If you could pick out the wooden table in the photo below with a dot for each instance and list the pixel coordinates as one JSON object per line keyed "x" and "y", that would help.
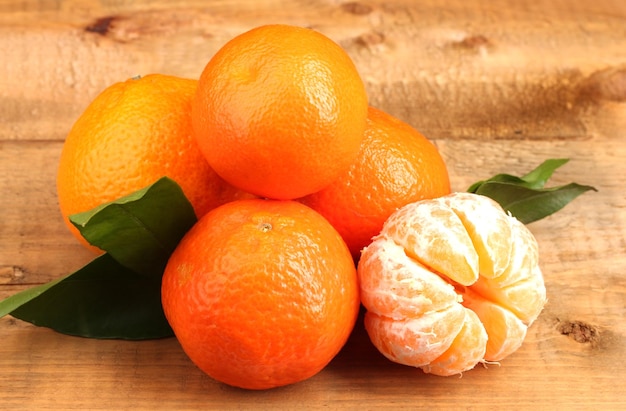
{"x": 499, "y": 86}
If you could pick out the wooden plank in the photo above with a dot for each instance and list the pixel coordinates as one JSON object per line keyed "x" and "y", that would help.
{"x": 499, "y": 86}
{"x": 35, "y": 245}
{"x": 64, "y": 372}
{"x": 496, "y": 69}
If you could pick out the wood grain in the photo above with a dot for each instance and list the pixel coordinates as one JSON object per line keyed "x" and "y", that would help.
{"x": 499, "y": 69}
{"x": 499, "y": 86}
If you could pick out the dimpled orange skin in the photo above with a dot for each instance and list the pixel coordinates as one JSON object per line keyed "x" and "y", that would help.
{"x": 280, "y": 111}
{"x": 396, "y": 165}
{"x": 130, "y": 135}
{"x": 449, "y": 283}
{"x": 261, "y": 293}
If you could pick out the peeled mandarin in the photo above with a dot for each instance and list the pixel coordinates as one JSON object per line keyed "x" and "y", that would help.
{"x": 449, "y": 283}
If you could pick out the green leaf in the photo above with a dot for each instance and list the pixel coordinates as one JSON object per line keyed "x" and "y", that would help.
{"x": 535, "y": 179}
{"x": 117, "y": 295}
{"x": 540, "y": 175}
{"x": 142, "y": 229}
{"x": 13, "y": 302}
{"x": 500, "y": 178}
{"x": 101, "y": 300}
{"x": 525, "y": 197}
{"x": 529, "y": 205}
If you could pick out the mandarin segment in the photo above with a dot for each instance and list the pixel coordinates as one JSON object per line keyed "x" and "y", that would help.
{"x": 524, "y": 255}
{"x": 415, "y": 340}
{"x": 397, "y": 286}
{"x": 498, "y": 306}
{"x": 525, "y": 298}
{"x": 506, "y": 331}
{"x": 488, "y": 227}
{"x": 467, "y": 349}
{"x": 521, "y": 287}
{"x": 432, "y": 233}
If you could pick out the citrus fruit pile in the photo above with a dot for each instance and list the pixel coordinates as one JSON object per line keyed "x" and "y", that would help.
{"x": 296, "y": 181}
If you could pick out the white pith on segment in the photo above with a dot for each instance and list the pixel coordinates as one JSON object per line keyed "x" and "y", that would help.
{"x": 416, "y": 341}
{"x": 407, "y": 289}
{"x": 502, "y": 341}
{"x": 462, "y": 250}
{"x": 412, "y": 228}
{"x": 462, "y": 354}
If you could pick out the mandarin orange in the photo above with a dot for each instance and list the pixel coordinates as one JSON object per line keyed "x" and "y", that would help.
{"x": 261, "y": 293}
{"x": 396, "y": 165}
{"x": 449, "y": 283}
{"x": 280, "y": 111}
{"x": 132, "y": 134}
